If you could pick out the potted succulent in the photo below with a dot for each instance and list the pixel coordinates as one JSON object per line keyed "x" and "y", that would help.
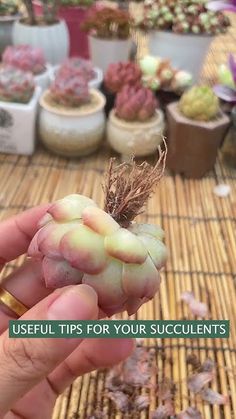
{"x": 46, "y": 31}
{"x": 82, "y": 67}
{"x": 71, "y": 120}
{"x": 109, "y": 36}
{"x": 9, "y": 12}
{"x": 135, "y": 125}
{"x": 28, "y": 58}
{"x": 74, "y": 13}
{"x": 118, "y": 75}
{"x": 18, "y": 102}
{"x": 182, "y": 31}
{"x": 226, "y": 88}
{"x": 166, "y": 81}
{"x": 196, "y": 128}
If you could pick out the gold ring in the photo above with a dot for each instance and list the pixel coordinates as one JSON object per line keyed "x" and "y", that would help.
{"x": 12, "y": 303}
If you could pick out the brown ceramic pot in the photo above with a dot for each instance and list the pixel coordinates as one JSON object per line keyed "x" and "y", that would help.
{"x": 193, "y": 145}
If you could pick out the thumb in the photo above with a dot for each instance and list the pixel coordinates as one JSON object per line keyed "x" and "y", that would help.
{"x": 25, "y": 362}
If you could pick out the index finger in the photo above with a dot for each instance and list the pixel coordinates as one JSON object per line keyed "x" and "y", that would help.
{"x": 17, "y": 232}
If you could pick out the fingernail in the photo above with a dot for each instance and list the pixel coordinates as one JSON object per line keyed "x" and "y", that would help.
{"x": 78, "y": 302}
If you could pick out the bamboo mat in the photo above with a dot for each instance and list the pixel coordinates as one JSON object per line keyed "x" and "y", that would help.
{"x": 200, "y": 234}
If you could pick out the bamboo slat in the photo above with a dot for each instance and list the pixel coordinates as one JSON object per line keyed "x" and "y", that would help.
{"x": 200, "y": 235}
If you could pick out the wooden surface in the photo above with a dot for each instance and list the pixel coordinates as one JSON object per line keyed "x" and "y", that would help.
{"x": 200, "y": 234}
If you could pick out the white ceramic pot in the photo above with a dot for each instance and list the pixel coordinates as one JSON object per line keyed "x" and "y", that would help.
{"x": 43, "y": 80}
{"x": 135, "y": 138}
{"x": 53, "y": 39}
{"x": 18, "y": 137}
{"x": 6, "y": 27}
{"x": 95, "y": 83}
{"x": 72, "y": 132}
{"x": 185, "y": 51}
{"x": 106, "y": 51}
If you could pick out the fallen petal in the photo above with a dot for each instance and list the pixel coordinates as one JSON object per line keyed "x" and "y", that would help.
{"x": 120, "y": 399}
{"x": 213, "y": 397}
{"x": 222, "y": 190}
{"x": 197, "y": 381}
{"x": 190, "y": 413}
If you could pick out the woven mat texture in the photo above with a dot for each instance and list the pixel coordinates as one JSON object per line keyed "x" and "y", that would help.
{"x": 200, "y": 234}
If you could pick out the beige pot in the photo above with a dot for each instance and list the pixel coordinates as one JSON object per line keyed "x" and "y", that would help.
{"x": 135, "y": 138}
{"x": 72, "y": 132}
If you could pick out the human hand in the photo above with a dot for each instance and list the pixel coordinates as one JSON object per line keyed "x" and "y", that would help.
{"x": 34, "y": 371}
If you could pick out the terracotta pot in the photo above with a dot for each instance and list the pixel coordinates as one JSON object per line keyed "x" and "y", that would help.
{"x": 193, "y": 145}
{"x": 135, "y": 138}
{"x": 53, "y": 39}
{"x": 185, "y": 51}
{"x": 74, "y": 16}
{"x": 72, "y": 132}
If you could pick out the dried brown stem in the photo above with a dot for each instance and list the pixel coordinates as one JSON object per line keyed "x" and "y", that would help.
{"x": 129, "y": 185}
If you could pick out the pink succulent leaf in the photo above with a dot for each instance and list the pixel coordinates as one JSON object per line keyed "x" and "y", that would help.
{"x": 225, "y": 93}
{"x": 58, "y": 273}
{"x": 219, "y": 5}
{"x": 232, "y": 66}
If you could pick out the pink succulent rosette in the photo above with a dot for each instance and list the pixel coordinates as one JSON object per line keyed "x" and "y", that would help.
{"x": 122, "y": 74}
{"x": 80, "y": 243}
{"x": 25, "y": 57}
{"x": 135, "y": 103}
{"x": 70, "y": 91}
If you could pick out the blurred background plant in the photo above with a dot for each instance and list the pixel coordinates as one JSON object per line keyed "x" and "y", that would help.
{"x": 226, "y": 89}
{"x": 8, "y": 7}
{"x": 188, "y": 16}
{"x": 108, "y": 23}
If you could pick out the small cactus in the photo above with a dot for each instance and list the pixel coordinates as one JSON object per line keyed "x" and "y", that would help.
{"x": 121, "y": 74}
{"x": 77, "y": 66}
{"x": 135, "y": 104}
{"x": 15, "y": 85}
{"x": 25, "y": 58}
{"x": 70, "y": 91}
{"x": 199, "y": 103}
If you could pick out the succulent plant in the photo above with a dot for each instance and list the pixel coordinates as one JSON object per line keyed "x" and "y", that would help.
{"x": 121, "y": 74}
{"x": 77, "y": 66}
{"x": 108, "y": 23}
{"x": 226, "y": 90}
{"x": 8, "y": 7}
{"x": 181, "y": 80}
{"x": 199, "y": 103}
{"x": 25, "y": 57}
{"x": 134, "y": 103}
{"x": 80, "y": 243}
{"x": 70, "y": 91}
{"x": 149, "y": 65}
{"x": 158, "y": 73}
{"x": 15, "y": 85}
{"x": 188, "y": 16}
